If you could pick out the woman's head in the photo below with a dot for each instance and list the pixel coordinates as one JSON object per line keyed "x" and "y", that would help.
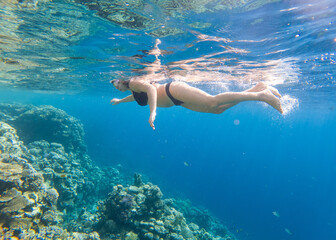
{"x": 120, "y": 85}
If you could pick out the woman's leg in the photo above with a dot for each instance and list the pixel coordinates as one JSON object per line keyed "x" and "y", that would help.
{"x": 260, "y": 86}
{"x": 192, "y": 98}
{"x": 200, "y": 101}
{"x": 233, "y": 98}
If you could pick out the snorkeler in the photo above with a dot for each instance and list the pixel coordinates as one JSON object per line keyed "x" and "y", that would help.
{"x": 147, "y": 92}
{"x": 181, "y": 94}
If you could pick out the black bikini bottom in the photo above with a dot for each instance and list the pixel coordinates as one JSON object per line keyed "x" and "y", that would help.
{"x": 174, "y": 100}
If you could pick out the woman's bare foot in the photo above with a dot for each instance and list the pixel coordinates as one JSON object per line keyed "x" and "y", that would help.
{"x": 274, "y": 91}
{"x": 260, "y": 86}
{"x": 268, "y": 97}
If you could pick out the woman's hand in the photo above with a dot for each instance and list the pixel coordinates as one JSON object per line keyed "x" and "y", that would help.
{"x": 152, "y": 119}
{"x": 115, "y": 101}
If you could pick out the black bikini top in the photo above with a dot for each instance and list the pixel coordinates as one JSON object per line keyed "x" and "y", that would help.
{"x": 141, "y": 98}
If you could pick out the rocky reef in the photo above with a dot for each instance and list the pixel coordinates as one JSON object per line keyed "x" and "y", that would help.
{"x": 200, "y": 216}
{"x": 28, "y": 206}
{"x": 54, "y": 145}
{"x": 47, "y": 123}
{"x": 51, "y": 189}
{"x": 139, "y": 212}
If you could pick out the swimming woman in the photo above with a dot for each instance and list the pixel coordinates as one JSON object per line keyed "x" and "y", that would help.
{"x": 147, "y": 92}
{"x": 181, "y": 94}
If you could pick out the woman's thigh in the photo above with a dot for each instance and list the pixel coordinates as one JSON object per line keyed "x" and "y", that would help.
{"x": 190, "y": 95}
{"x": 193, "y": 98}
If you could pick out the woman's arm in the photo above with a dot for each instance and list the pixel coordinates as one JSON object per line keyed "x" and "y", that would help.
{"x": 144, "y": 86}
{"x": 116, "y": 101}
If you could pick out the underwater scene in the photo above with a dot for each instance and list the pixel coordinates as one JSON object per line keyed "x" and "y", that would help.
{"x": 168, "y": 119}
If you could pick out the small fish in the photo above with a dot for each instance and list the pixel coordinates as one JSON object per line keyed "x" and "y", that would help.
{"x": 276, "y": 214}
{"x": 63, "y": 175}
{"x": 186, "y": 164}
{"x": 97, "y": 207}
{"x": 288, "y": 231}
{"x": 0, "y": 151}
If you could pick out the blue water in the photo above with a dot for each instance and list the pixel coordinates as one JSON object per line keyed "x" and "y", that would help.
{"x": 241, "y": 165}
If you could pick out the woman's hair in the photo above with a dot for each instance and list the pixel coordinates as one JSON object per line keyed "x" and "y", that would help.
{"x": 117, "y": 81}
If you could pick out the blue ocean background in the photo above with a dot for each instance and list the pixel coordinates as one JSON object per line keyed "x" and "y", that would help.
{"x": 244, "y": 164}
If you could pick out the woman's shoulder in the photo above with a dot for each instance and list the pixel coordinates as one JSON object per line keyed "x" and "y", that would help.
{"x": 137, "y": 82}
{"x": 141, "y": 81}
{"x": 140, "y": 78}
{"x": 143, "y": 86}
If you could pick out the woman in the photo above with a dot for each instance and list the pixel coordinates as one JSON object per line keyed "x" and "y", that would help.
{"x": 181, "y": 94}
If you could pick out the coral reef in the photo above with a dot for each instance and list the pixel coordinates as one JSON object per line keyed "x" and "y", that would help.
{"x": 53, "y": 190}
{"x": 200, "y": 216}
{"x": 24, "y": 200}
{"x": 34, "y": 123}
{"x": 62, "y": 159}
{"x": 77, "y": 180}
{"x": 139, "y": 212}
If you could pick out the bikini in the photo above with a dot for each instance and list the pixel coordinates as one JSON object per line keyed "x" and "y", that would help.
{"x": 142, "y": 98}
{"x": 174, "y": 100}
